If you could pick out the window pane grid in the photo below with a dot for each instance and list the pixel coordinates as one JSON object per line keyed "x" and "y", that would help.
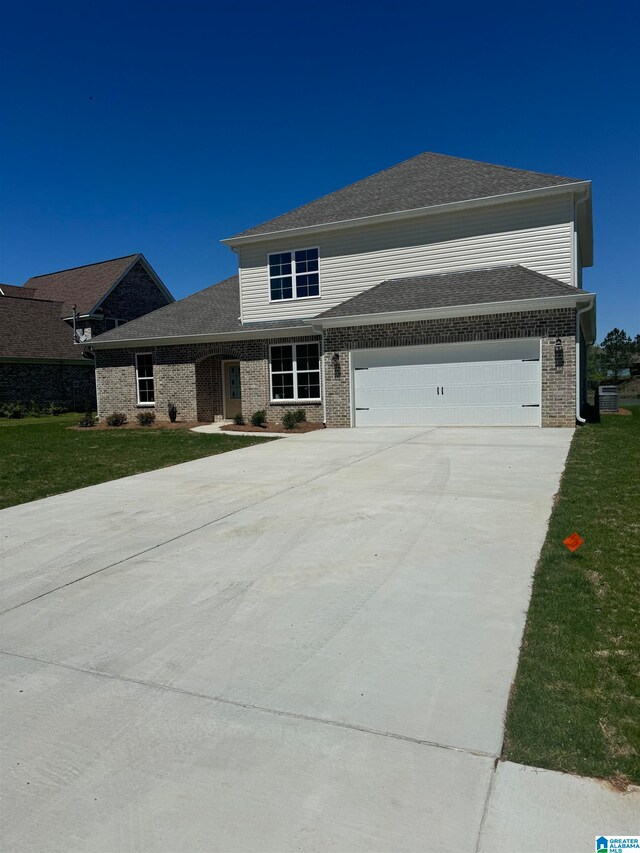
{"x": 295, "y": 372}
{"x": 301, "y": 267}
{"x": 144, "y": 378}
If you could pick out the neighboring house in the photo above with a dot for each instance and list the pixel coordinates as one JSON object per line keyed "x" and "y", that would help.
{"x": 39, "y": 360}
{"x": 439, "y": 291}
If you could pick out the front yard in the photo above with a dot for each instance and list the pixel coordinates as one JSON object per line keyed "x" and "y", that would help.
{"x": 41, "y": 456}
{"x": 575, "y": 704}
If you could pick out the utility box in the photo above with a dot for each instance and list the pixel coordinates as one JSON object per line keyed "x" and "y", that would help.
{"x": 608, "y": 395}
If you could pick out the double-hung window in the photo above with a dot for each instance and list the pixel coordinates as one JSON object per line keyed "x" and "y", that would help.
{"x": 295, "y": 372}
{"x": 144, "y": 379}
{"x": 294, "y": 275}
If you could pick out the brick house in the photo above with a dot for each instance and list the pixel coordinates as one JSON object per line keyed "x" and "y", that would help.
{"x": 46, "y": 326}
{"x": 439, "y": 291}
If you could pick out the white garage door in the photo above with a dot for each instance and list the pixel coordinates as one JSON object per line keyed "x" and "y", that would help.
{"x": 495, "y": 383}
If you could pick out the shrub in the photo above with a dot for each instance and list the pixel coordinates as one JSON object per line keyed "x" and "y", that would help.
{"x": 15, "y": 410}
{"x": 34, "y": 410}
{"x": 88, "y": 420}
{"x": 146, "y": 418}
{"x": 238, "y": 419}
{"x": 259, "y": 418}
{"x": 55, "y": 409}
{"x": 289, "y": 420}
{"x": 300, "y": 415}
{"x": 116, "y": 419}
{"x": 173, "y": 412}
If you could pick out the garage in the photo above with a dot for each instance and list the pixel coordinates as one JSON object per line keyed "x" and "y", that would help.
{"x": 494, "y": 383}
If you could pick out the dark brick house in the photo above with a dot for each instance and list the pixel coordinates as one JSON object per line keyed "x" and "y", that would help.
{"x": 441, "y": 291}
{"x": 39, "y": 360}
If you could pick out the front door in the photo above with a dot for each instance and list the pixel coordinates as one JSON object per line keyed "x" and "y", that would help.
{"x": 232, "y": 391}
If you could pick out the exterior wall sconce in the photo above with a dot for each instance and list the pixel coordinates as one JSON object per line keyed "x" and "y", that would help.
{"x": 558, "y": 346}
{"x": 335, "y": 360}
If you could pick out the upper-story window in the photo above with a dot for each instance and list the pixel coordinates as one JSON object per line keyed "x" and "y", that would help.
{"x": 294, "y": 275}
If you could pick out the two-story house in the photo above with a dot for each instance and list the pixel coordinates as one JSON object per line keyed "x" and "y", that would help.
{"x": 47, "y": 324}
{"x": 439, "y": 291}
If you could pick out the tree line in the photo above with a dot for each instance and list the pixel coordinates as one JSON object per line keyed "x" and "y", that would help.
{"x": 610, "y": 360}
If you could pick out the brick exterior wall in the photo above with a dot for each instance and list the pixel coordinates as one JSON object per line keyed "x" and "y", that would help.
{"x": 558, "y": 379}
{"x": 136, "y": 295}
{"x": 190, "y": 376}
{"x": 68, "y": 385}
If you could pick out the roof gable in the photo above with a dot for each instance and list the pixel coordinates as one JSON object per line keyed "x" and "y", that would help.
{"x": 426, "y": 180}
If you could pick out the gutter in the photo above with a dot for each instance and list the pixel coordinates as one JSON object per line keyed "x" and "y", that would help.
{"x": 470, "y": 309}
{"x": 205, "y": 338}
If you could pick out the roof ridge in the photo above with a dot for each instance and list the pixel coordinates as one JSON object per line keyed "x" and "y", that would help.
{"x": 80, "y": 267}
{"x": 500, "y": 166}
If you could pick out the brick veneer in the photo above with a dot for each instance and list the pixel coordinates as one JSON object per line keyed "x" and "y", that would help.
{"x": 190, "y": 376}
{"x": 68, "y": 385}
{"x": 558, "y": 375}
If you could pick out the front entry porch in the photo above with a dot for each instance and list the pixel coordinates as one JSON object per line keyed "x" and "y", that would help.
{"x": 218, "y": 388}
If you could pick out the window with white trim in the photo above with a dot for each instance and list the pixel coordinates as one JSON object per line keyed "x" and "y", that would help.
{"x": 294, "y": 275}
{"x": 295, "y": 372}
{"x": 144, "y": 379}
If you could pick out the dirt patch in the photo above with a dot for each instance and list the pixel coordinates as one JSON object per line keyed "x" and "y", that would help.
{"x": 136, "y": 425}
{"x": 272, "y": 427}
{"x": 619, "y": 412}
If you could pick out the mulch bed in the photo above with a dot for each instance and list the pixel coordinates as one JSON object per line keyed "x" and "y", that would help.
{"x": 136, "y": 425}
{"x": 619, "y": 412}
{"x": 272, "y": 426}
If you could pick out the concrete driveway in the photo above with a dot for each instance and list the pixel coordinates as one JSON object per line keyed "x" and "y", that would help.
{"x": 306, "y": 645}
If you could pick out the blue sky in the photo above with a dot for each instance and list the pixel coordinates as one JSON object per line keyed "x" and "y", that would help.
{"x": 162, "y": 127}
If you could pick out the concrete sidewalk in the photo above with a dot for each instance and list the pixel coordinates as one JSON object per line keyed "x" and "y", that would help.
{"x": 304, "y": 645}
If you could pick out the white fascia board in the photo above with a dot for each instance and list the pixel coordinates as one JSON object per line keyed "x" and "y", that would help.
{"x": 578, "y": 187}
{"x": 210, "y": 338}
{"x": 469, "y": 310}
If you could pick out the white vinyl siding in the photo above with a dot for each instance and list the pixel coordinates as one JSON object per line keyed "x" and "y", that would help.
{"x": 537, "y": 234}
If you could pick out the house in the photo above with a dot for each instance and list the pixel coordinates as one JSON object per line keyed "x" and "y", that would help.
{"x": 39, "y": 360}
{"x": 439, "y": 291}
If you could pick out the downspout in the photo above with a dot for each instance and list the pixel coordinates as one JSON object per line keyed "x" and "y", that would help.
{"x": 579, "y": 312}
{"x": 323, "y": 386}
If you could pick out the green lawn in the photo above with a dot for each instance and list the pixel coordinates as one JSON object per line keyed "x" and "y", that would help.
{"x": 575, "y": 705}
{"x": 41, "y": 457}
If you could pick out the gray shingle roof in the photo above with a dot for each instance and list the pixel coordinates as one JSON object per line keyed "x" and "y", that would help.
{"x": 423, "y": 181}
{"x": 214, "y": 310}
{"x": 467, "y": 287}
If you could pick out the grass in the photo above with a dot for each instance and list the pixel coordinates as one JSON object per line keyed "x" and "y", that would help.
{"x": 575, "y": 704}
{"x": 41, "y": 457}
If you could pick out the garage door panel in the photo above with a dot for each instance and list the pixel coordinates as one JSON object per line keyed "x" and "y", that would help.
{"x": 459, "y": 391}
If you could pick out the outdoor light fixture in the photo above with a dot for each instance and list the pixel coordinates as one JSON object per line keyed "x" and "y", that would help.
{"x": 336, "y": 358}
{"x": 558, "y": 346}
